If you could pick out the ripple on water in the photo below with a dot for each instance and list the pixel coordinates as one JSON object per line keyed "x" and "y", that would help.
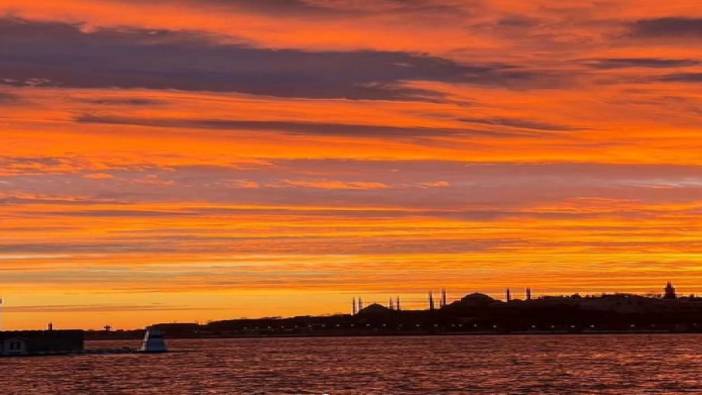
{"x": 452, "y": 364}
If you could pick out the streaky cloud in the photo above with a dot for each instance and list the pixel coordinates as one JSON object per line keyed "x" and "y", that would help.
{"x": 668, "y": 27}
{"x": 520, "y": 124}
{"x": 298, "y": 127}
{"x": 319, "y": 9}
{"x": 8, "y": 98}
{"x": 88, "y": 308}
{"x": 123, "y": 101}
{"x": 682, "y": 77}
{"x": 44, "y": 54}
{"x": 656, "y": 63}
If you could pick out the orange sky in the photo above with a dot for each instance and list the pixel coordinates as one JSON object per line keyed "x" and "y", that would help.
{"x": 183, "y": 160}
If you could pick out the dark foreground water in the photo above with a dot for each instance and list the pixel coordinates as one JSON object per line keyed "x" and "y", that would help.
{"x": 618, "y": 364}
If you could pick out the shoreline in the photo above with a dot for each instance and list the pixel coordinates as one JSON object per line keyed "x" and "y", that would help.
{"x": 417, "y": 334}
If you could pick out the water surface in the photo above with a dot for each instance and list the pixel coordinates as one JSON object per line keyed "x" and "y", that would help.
{"x": 609, "y": 364}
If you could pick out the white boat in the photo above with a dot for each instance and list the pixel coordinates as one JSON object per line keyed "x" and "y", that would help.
{"x": 153, "y": 341}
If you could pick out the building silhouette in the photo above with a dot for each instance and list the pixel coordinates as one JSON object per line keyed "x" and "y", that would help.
{"x": 49, "y": 342}
{"x": 669, "y": 291}
{"x": 475, "y": 313}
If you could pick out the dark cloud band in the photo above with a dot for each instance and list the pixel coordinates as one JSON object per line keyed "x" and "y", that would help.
{"x": 301, "y": 128}
{"x": 670, "y": 27}
{"x": 619, "y": 63}
{"x": 63, "y": 55}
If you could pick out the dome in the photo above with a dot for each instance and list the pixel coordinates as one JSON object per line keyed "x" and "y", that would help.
{"x": 374, "y": 308}
{"x": 477, "y": 298}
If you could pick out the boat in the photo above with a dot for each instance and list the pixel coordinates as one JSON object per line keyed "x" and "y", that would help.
{"x": 153, "y": 342}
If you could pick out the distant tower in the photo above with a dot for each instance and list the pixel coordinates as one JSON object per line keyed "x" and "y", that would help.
{"x": 360, "y": 305}
{"x": 443, "y": 297}
{"x": 391, "y": 305}
{"x": 51, "y": 326}
{"x": 508, "y": 295}
{"x": 669, "y": 291}
{"x": 528, "y": 294}
{"x": 397, "y": 303}
{"x": 431, "y": 301}
{"x": 355, "y": 310}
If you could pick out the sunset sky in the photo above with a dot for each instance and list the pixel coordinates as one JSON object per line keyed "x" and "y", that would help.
{"x": 193, "y": 160}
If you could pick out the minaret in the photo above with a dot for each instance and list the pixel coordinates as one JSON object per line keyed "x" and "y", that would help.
{"x": 391, "y": 304}
{"x": 443, "y": 297}
{"x": 360, "y": 305}
{"x": 354, "y": 306}
{"x": 397, "y": 303}
{"x": 508, "y": 295}
{"x": 528, "y": 294}
{"x": 431, "y": 301}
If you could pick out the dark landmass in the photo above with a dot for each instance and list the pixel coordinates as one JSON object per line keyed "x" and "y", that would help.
{"x": 474, "y": 314}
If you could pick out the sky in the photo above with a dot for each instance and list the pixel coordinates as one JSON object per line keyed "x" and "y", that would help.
{"x": 183, "y": 160}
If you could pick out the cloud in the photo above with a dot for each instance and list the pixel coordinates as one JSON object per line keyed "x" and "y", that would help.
{"x": 274, "y": 7}
{"x": 98, "y": 176}
{"x": 338, "y": 185}
{"x": 7, "y": 98}
{"x": 15, "y": 199}
{"x": 280, "y": 8}
{"x": 519, "y": 123}
{"x": 114, "y": 213}
{"x": 45, "y": 53}
{"x": 682, "y": 77}
{"x": 425, "y": 185}
{"x": 96, "y": 308}
{"x": 243, "y": 184}
{"x": 13, "y": 165}
{"x": 670, "y": 27}
{"x": 618, "y": 63}
{"x": 320, "y": 8}
{"x": 297, "y": 127}
{"x": 436, "y": 184}
{"x": 106, "y": 247}
{"x": 123, "y": 101}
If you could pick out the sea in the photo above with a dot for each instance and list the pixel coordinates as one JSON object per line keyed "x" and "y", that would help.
{"x": 530, "y": 364}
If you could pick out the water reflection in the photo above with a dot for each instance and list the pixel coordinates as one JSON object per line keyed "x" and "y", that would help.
{"x": 461, "y": 364}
